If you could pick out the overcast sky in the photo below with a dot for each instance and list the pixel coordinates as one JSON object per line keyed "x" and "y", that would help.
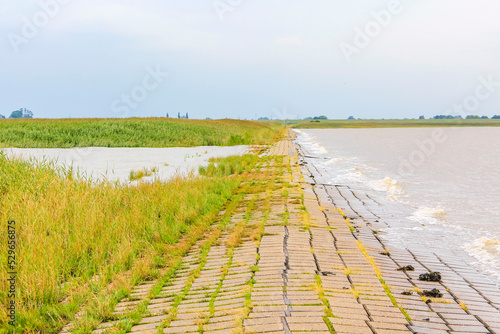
{"x": 247, "y": 59}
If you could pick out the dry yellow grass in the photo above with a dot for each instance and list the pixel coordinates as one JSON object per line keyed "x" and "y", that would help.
{"x": 75, "y": 236}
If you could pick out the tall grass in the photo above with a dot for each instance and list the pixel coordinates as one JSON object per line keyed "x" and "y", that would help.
{"x": 72, "y": 231}
{"x": 227, "y": 166}
{"x": 133, "y": 132}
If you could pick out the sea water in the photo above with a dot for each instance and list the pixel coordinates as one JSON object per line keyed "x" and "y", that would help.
{"x": 442, "y": 184}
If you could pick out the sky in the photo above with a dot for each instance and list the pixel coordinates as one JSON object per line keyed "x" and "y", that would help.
{"x": 247, "y": 59}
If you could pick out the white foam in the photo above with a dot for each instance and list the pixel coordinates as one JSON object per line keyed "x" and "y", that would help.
{"x": 485, "y": 249}
{"x": 428, "y": 216}
{"x": 390, "y": 186}
{"x": 334, "y": 161}
{"x": 309, "y": 143}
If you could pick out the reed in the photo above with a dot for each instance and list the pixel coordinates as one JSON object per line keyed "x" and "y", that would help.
{"x": 133, "y": 132}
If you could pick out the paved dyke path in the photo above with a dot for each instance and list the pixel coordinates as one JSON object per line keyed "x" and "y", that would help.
{"x": 289, "y": 261}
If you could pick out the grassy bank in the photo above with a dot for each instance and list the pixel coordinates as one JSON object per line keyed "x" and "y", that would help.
{"x": 83, "y": 244}
{"x": 135, "y": 132}
{"x": 396, "y": 123}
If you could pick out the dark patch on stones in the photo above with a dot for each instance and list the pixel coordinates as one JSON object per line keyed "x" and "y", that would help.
{"x": 326, "y": 273}
{"x": 407, "y": 293}
{"x": 433, "y": 276}
{"x": 406, "y": 268}
{"x": 385, "y": 253}
{"x": 434, "y": 293}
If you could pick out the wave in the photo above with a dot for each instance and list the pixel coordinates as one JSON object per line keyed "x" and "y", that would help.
{"x": 390, "y": 186}
{"x": 485, "y": 249}
{"x": 350, "y": 176}
{"x": 428, "y": 216}
{"x": 310, "y": 144}
{"x": 333, "y": 161}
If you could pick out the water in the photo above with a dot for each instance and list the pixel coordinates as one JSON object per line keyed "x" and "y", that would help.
{"x": 443, "y": 184}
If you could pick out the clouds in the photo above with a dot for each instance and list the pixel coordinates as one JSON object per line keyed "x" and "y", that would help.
{"x": 262, "y": 56}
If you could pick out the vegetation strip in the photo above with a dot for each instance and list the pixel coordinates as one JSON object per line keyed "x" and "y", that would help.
{"x": 388, "y": 123}
{"x": 133, "y": 132}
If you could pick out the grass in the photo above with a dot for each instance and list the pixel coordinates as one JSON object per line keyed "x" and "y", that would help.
{"x": 391, "y": 123}
{"x": 133, "y": 132}
{"x": 139, "y": 174}
{"x": 378, "y": 272}
{"x": 227, "y": 166}
{"x": 81, "y": 242}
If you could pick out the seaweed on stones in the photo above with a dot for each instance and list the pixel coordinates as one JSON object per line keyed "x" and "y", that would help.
{"x": 407, "y": 268}
{"x": 433, "y": 276}
{"x": 435, "y": 293}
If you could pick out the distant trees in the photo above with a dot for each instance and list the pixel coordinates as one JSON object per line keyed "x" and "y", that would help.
{"x": 351, "y": 117}
{"x": 496, "y": 117}
{"x": 317, "y": 117}
{"x": 186, "y": 116}
{"x": 16, "y": 114}
{"x": 460, "y": 117}
{"x": 20, "y": 113}
{"x": 2, "y": 117}
{"x": 421, "y": 117}
{"x": 447, "y": 117}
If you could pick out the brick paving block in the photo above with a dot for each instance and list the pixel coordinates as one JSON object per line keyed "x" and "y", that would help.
{"x": 220, "y": 325}
{"x": 470, "y": 329}
{"x": 393, "y": 320}
{"x": 265, "y": 328}
{"x": 424, "y": 330}
{"x": 387, "y": 325}
{"x": 297, "y": 319}
{"x": 307, "y": 327}
{"x": 430, "y": 325}
{"x": 339, "y": 329}
{"x": 391, "y": 331}
{"x": 146, "y": 327}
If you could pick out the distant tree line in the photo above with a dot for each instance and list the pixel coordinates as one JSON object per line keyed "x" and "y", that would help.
{"x": 20, "y": 113}
{"x": 449, "y": 117}
{"x": 317, "y": 117}
{"x": 466, "y": 117}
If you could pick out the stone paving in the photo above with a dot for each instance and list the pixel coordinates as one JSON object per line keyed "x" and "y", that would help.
{"x": 301, "y": 265}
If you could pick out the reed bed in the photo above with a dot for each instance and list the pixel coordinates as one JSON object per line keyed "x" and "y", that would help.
{"x": 133, "y": 132}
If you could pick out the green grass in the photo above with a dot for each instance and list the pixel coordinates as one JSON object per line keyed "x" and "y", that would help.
{"x": 391, "y": 123}
{"x": 70, "y": 231}
{"x": 139, "y": 174}
{"x": 227, "y": 166}
{"x": 133, "y": 132}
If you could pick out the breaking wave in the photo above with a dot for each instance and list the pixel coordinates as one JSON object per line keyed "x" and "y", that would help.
{"x": 428, "y": 216}
{"x": 485, "y": 249}
{"x": 390, "y": 186}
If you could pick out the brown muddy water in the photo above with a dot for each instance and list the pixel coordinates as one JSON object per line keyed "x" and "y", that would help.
{"x": 442, "y": 185}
